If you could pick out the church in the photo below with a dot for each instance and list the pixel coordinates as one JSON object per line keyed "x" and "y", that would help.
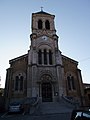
{"x": 43, "y": 72}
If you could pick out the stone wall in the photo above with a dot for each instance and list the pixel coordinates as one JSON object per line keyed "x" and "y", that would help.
{"x": 2, "y": 103}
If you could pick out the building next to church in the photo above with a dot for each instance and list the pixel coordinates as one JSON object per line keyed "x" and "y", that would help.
{"x": 43, "y": 71}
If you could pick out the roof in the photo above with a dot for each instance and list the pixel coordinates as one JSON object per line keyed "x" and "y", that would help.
{"x": 72, "y": 60}
{"x": 42, "y": 12}
{"x": 18, "y": 58}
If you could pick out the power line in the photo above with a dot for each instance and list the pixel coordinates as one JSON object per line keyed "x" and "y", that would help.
{"x": 85, "y": 59}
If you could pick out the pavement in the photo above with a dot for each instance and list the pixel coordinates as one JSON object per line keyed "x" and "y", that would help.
{"x": 45, "y": 111}
{"x": 61, "y": 116}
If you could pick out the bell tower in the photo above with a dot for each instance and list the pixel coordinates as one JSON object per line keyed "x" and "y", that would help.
{"x": 43, "y": 23}
{"x": 43, "y": 31}
{"x": 45, "y": 70}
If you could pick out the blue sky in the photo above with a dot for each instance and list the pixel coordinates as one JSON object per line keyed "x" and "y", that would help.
{"x": 72, "y": 22}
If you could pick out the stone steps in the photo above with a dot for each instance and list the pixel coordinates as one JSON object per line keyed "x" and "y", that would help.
{"x": 53, "y": 108}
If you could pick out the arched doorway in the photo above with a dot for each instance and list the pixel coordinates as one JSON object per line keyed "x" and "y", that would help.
{"x": 46, "y": 92}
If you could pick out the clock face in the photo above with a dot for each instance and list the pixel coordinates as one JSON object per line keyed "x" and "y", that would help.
{"x": 44, "y": 37}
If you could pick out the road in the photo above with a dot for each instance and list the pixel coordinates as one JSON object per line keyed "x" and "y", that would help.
{"x": 31, "y": 117}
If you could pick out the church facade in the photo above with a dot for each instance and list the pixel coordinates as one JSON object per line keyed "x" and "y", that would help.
{"x": 43, "y": 72}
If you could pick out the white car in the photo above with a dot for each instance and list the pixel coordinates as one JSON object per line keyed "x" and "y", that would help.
{"x": 15, "y": 107}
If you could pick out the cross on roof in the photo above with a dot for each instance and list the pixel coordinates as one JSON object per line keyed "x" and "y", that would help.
{"x": 41, "y": 8}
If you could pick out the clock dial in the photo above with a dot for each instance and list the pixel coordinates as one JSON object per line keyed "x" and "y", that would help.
{"x": 44, "y": 37}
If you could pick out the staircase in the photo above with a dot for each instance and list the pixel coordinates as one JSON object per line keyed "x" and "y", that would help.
{"x": 54, "y": 108}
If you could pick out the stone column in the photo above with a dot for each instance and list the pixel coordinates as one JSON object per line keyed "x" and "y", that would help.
{"x": 34, "y": 81}
{"x": 60, "y": 75}
{"x": 82, "y": 97}
{"x": 60, "y": 80}
{"x": 43, "y": 24}
{"x": 29, "y": 81}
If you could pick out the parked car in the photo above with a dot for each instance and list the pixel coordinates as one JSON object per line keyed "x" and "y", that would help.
{"x": 15, "y": 107}
{"x": 80, "y": 115}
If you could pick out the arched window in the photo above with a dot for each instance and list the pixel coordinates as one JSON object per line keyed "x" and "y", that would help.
{"x": 19, "y": 83}
{"x": 40, "y": 57}
{"x": 40, "y": 24}
{"x": 71, "y": 84}
{"x": 47, "y": 25}
{"x": 50, "y": 57}
{"x": 45, "y": 56}
{"x": 16, "y": 83}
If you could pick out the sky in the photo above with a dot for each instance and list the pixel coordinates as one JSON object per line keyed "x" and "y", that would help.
{"x": 72, "y": 23}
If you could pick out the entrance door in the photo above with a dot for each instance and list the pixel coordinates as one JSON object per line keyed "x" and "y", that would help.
{"x": 46, "y": 92}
